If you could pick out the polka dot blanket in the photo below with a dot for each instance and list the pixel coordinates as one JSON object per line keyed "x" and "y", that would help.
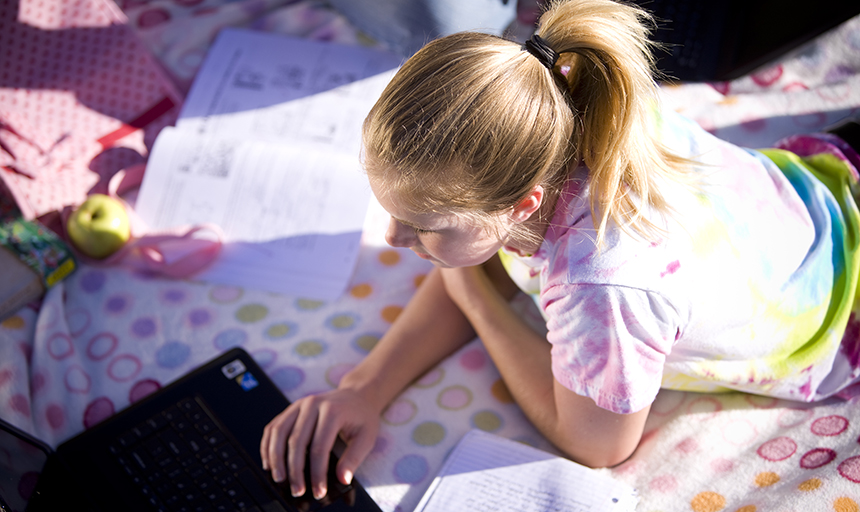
{"x": 108, "y": 336}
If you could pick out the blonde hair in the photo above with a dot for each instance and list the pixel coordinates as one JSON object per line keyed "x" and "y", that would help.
{"x": 472, "y": 123}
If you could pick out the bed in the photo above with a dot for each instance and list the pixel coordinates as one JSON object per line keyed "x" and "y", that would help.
{"x": 107, "y": 336}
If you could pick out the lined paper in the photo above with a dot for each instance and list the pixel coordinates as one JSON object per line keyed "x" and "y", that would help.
{"x": 486, "y": 472}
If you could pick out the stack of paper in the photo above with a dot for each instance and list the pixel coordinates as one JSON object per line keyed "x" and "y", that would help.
{"x": 267, "y": 147}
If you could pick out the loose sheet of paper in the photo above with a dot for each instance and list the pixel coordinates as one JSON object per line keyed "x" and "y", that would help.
{"x": 267, "y": 147}
{"x": 487, "y": 473}
{"x": 279, "y": 89}
{"x": 293, "y": 217}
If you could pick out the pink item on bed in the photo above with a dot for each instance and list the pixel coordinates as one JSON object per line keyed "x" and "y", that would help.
{"x": 80, "y": 98}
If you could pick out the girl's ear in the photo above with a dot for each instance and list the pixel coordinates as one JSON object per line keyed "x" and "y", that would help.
{"x": 525, "y": 208}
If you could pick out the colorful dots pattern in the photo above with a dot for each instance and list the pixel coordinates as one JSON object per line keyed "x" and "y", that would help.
{"x": 411, "y": 469}
{"x": 390, "y": 313}
{"x": 288, "y": 378}
{"x": 336, "y": 372}
{"x": 454, "y": 398}
{"x": 110, "y": 337}
{"x": 707, "y": 502}
{"x": 225, "y": 294}
{"x": 663, "y": 483}
{"x": 366, "y": 342}
{"x": 431, "y": 378}
{"x": 98, "y": 410}
{"x": 487, "y": 420}
{"x": 281, "y": 330}
{"x": 817, "y": 457}
{"x": 310, "y": 348}
{"x": 474, "y": 359}
{"x": 118, "y": 304}
{"x": 389, "y": 258}
{"x": 14, "y": 322}
{"x": 845, "y": 504}
{"x": 777, "y": 449}
{"x": 829, "y": 426}
{"x": 399, "y": 412}
{"x": 143, "y": 388}
{"x": 850, "y": 469}
{"x": 501, "y": 392}
{"x": 251, "y": 313}
{"x": 144, "y": 327}
{"x": 309, "y": 304}
{"x": 230, "y": 338}
{"x": 172, "y": 354}
{"x": 429, "y": 433}
{"x": 766, "y": 479}
{"x": 809, "y": 485}
{"x": 199, "y": 317}
{"x": 342, "y": 321}
{"x": 101, "y": 345}
{"x": 173, "y": 296}
{"x": 361, "y": 291}
{"x": 419, "y": 279}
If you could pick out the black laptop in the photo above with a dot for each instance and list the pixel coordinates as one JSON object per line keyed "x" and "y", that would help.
{"x": 191, "y": 446}
{"x": 717, "y": 40}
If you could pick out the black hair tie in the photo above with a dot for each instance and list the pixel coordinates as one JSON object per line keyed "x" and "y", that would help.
{"x": 540, "y": 49}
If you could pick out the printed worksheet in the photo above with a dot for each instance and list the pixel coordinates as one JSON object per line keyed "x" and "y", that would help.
{"x": 267, "y": 148}
{"x": 279, "y": 89}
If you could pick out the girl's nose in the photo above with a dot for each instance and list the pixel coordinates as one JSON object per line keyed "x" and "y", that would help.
{"x": 399, "y": 235}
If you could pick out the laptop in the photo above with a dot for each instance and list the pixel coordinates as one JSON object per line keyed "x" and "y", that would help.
{"x": 191, "y": 446}
{"x": 718, "y": 40}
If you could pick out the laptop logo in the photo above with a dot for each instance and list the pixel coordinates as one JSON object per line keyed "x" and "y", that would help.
{"x": 233, "y": 368}
{"x": 247, "y": 381}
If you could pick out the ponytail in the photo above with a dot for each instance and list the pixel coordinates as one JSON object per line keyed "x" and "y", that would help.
{"x": 605, "y": 56}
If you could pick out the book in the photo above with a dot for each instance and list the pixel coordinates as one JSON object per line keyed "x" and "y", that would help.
{"x": 267, "y": 147}
{"x": 486, "y": 472}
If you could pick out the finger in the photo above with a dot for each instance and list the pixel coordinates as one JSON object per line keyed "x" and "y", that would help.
{"x": 297, "y": 445}
{"x": 268, "y": 432}
{"x": 264, "y": 444}
{"x": 357, "y": 449}
{"x": 278, "y": 431}
{"x": 320, "y": 450}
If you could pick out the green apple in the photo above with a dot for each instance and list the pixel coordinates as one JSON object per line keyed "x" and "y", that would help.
{"x": 99, "y": 226}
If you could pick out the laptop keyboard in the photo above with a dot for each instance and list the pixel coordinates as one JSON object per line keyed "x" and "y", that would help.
{"x": 182, "y": 461}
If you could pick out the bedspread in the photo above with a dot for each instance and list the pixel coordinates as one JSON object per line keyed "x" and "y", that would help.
{"x": 108, "y": 336}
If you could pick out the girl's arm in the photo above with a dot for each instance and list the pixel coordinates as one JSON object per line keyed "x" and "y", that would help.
{"x": 576, "y": 425}
{"x": 430, "y": 328}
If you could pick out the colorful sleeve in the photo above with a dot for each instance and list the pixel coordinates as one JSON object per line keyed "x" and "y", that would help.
{"x": 609, "y": 343}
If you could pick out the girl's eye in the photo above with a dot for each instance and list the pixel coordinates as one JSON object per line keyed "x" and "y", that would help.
{"x": 419, "y": 231}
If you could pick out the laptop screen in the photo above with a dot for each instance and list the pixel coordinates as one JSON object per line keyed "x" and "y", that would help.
{"x": 769, "y": 28}
{"x": 21, "y": 461}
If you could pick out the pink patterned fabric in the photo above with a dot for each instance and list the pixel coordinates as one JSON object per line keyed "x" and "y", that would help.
{"x": 80, "y": 98}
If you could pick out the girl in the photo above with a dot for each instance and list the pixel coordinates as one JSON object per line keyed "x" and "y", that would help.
{"x": 659, "y": 255}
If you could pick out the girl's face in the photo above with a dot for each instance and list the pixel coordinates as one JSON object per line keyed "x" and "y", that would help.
{"x": 446, "y": 240}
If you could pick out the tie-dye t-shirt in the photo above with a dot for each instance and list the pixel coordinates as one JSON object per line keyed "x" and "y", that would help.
{"x": 750, "y": 286}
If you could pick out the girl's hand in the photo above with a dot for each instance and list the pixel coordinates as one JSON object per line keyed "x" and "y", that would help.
{"x": 311, "y": 425}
